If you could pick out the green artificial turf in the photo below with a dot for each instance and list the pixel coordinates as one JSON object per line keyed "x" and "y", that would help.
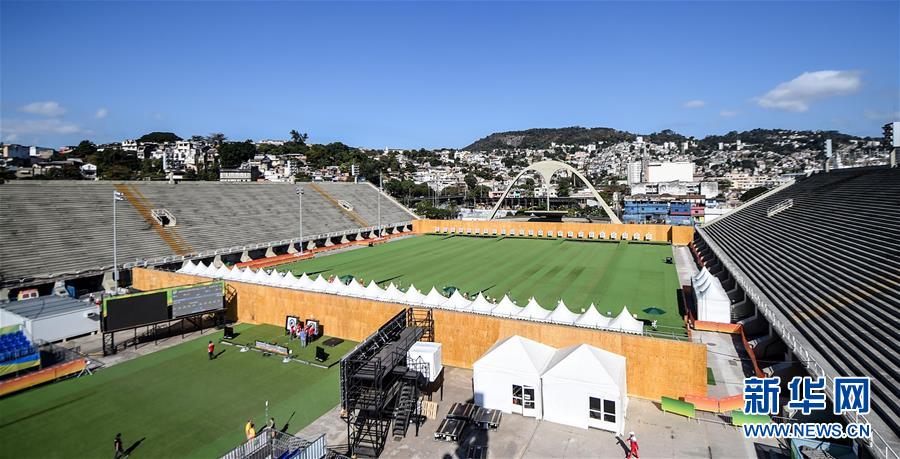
{"x": 178, "y": 401}
{"x": 609, "y": 274}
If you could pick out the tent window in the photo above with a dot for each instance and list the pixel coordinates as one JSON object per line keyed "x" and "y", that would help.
{"x": 517, "y": 395}
{"x": 604, "y": 410}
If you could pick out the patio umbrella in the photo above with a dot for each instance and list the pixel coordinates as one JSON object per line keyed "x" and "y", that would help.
{"x": 654, "y": 311}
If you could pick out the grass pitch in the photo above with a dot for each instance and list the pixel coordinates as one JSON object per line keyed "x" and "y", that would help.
{"x": 609, "y": 274}
{"x": 179, "y": 402}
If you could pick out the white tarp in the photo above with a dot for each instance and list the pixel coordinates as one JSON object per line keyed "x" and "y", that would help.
{"x": 434, "y": 299}
{"x": 578, "y": 373}
{"x": 481, "y": 304}
{"x": 626, "y": 323}
{"x": 512, "y": 366}
{"x": 413, "y": 295}
{"x": 506, "y": 308}
{"x": 562, "y": 314}
{"x": 534, "y": 311}
{"x": 713, "y": 304}
{"x": 592, "y": 318}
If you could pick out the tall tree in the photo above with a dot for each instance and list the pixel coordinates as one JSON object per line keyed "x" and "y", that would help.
{"x": 232, "y": 154}
{"x": 299, "y": 138}
{"x": 216, "y": 138}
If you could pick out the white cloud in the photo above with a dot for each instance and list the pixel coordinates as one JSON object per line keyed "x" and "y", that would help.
{"x": 696, "y": 103}
{"x": 13, "y": 129}
{"x": 48, "y": 108}
{"x": 729, "y": 113}
{"x": 798, "y": 94}
{"x": 101, "y": 113}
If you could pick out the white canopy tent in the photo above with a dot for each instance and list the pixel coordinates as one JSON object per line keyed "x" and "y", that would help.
{"x": 289, "y": 281}
{"x": 187, "y": 267}
{"x": 457, "y": 302}
{"x": 584, "y": 386}
{"x": 373, "y": 291}
{"x": 222, "y": 271}
{"x": 413, "y": 295}
{"x": 592, "y": 318}
{"x": 481, "y": 304}
{"x": 508, "y": 376}
{"x": 434, "y": 299}
{"x": 356, "y": 289}
{"x": 534, "y": 311}
{"x": 626, "y": 323}
{"x": 305, "y": 283}
{"x": 562, "y": 314}
{"x": 392, "y": 294}
{"x": 320, "y": 284}
{"x": 713, "y": 304}
{"x": 506, "y": 308}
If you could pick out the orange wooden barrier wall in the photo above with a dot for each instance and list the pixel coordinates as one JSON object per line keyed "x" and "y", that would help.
{"x": 656, "y": 367}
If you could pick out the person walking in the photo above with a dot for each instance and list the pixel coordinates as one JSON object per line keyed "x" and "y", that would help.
{"x": 211, "y": 349}
{"x": 302, "y": 337}
{"x": 117, "y": 444}
{"x": 293, "y": 331}
{"x": 633, "y": 446}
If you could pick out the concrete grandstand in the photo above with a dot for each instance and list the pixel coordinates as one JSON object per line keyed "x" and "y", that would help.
{"x": 59, "y": 230}
{"x": 813, "y": 269}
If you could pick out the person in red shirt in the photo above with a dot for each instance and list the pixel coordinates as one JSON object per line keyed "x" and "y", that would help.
{"x": 633, "y": 444}
{"x": 293, "y": 331}
{"x": 211, "y": 348}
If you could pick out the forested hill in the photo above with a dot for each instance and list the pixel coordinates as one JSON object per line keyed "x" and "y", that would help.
{"x": 543, "y": 138}
{"x": 773, "y": 139}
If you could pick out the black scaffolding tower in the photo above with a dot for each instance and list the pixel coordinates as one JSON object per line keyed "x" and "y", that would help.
{"x": 380, "y": 387}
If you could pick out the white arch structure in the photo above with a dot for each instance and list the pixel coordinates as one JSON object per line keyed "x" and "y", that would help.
{"x": 546, "y": 169}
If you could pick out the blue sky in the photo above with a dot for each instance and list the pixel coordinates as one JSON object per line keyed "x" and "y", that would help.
{"x": 441, "y": 74}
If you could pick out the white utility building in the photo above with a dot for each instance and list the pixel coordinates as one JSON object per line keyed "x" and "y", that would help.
{"x": 584, "y": 386}
{"x": 508, "y": 376}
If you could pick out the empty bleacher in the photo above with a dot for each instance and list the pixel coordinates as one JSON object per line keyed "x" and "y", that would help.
{"x": 56, "y": 228}
{"x": 830, "y": 264}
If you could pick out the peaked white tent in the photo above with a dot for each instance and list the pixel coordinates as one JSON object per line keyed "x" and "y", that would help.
{"x": 356, "y": 289}
{"x": 247, "y": 275}
{"x": 187, "y": 267}
{"x": 274, "y": 278}
{"x": 413, "y": 295}
{"x": 592, "y": 318}
{"x": 373, "y": 291}
{"x": 304, "y": 282}
{"x": 434, "y": 299}
{"x": 210, "y": 271}
{"x": 584, "y": 386}
{"x": 320, "y": 284}
{"x": 457, "y": 302}
{"x": 481, "y": 304}
{"x": 562, "y": 314}
{"x": 506, "y": 308}
{"x": 626, "y": 323}
{"x": 713, "y": 304}
{"x": 233, "y": 274}
{"x": 336, "y": 286}
{"x": 508, "y": 376}
{"x": 289, "y": 280}
{"x": 222, "y": 271}
{"x": 392, "y": 294}
{"x": 534, "y": 311}
{"x": 261, "y": 277}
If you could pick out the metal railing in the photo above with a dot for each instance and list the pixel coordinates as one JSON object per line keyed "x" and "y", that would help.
{"x": 781, "y": 206}
{"x": 809, "y": 357}
{"x": 269, "y": 443}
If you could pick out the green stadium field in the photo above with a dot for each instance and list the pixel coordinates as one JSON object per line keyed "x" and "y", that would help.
{"x": 609, "y": 274}
{"x": 178, "y": 401}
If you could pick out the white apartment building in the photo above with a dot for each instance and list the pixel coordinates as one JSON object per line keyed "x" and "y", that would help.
{"x": 682, "y": 171}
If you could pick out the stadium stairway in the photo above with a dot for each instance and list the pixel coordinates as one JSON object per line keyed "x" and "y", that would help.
{"x": 143, "y": 206}
{"x": 350, "y": 213}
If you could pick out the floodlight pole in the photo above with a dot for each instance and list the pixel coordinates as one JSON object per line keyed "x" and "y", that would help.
{"x": 380, "y": 190}
{"x": 300, "y": 196}
{"x": 117, "y": 196}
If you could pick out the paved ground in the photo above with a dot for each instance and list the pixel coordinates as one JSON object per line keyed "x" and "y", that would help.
{"x": 660, "y": 435}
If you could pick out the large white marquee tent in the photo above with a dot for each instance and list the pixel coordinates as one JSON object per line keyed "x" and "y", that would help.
{"x": 713, "y": 304}
{"x": 508, "y": 376}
